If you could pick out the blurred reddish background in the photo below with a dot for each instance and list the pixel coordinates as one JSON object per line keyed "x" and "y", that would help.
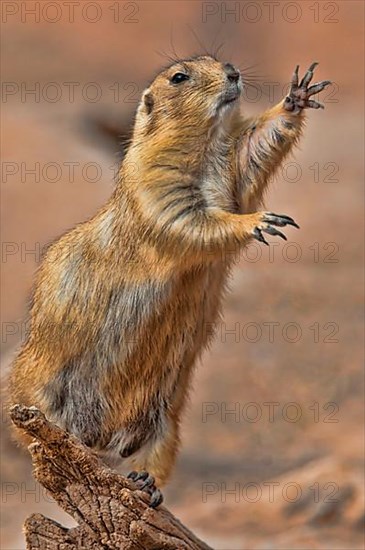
{"x": 284, "y": 471}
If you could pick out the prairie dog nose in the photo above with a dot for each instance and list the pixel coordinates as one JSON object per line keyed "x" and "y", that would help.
{"x": 232, "y": 74}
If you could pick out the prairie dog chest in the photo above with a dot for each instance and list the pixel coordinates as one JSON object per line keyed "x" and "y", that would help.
{"x": 218, "y": 181}
{"x": 200, "y": 295}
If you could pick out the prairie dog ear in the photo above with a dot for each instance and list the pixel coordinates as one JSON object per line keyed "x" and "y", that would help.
{"x": 148, "y": 101}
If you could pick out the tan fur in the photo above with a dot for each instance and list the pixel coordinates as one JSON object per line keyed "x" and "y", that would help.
{"x": 123, "y": 303}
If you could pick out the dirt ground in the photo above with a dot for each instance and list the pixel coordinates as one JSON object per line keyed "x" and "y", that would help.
{"x": 272, "y": 454}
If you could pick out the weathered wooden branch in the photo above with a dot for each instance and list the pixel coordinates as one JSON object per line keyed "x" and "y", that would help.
{"x": 111, "y": 513}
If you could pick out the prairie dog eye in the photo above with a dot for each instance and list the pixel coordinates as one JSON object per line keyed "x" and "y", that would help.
{"x": 179, "y": 77}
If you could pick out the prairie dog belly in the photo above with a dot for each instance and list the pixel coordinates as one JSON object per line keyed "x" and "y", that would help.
{"x": 109, "y": 394}
{"x": 195, "y": 312}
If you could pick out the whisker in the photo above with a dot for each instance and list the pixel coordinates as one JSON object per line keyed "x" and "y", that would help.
{"x": 217, "y": 50}
{"x": 200, "y": 43}
{"x": 246, "y": 68}
{"x": 172, "y": 42}
{"x": 247, "y": 71}
{"x": 161, "y": 53}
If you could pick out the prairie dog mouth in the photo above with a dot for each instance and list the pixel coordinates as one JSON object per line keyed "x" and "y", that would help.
{"x": 229, "y": 97}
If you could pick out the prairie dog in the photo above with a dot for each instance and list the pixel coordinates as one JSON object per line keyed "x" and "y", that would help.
{"x": 122, "y": 302}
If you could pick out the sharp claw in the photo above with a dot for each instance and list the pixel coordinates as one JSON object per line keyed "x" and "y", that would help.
{"x": 308, "y": 76}
{"x": 148, "y": 486}
{"x": 259, "y": 236}
{"x": 156, "y": 498}
{"x": 141, "y": 475}
{"x": 313, "y": 66}
{"x": 314, "y": 104}
{"x": 284, "y": 216}
{"x": 280, "y": 219}
{"x": 149, "y": 482}
{"x": 318, "y": 87}
{"x": 295, "y": 78}
{"x": 293, "y": 223}
{"x": 275, "y": 232}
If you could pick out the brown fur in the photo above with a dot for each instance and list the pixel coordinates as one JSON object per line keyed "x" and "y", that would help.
{"x": 123, "y": 302}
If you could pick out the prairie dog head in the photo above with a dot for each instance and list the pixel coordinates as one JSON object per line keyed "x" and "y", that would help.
{"x": 192, "y": 93}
